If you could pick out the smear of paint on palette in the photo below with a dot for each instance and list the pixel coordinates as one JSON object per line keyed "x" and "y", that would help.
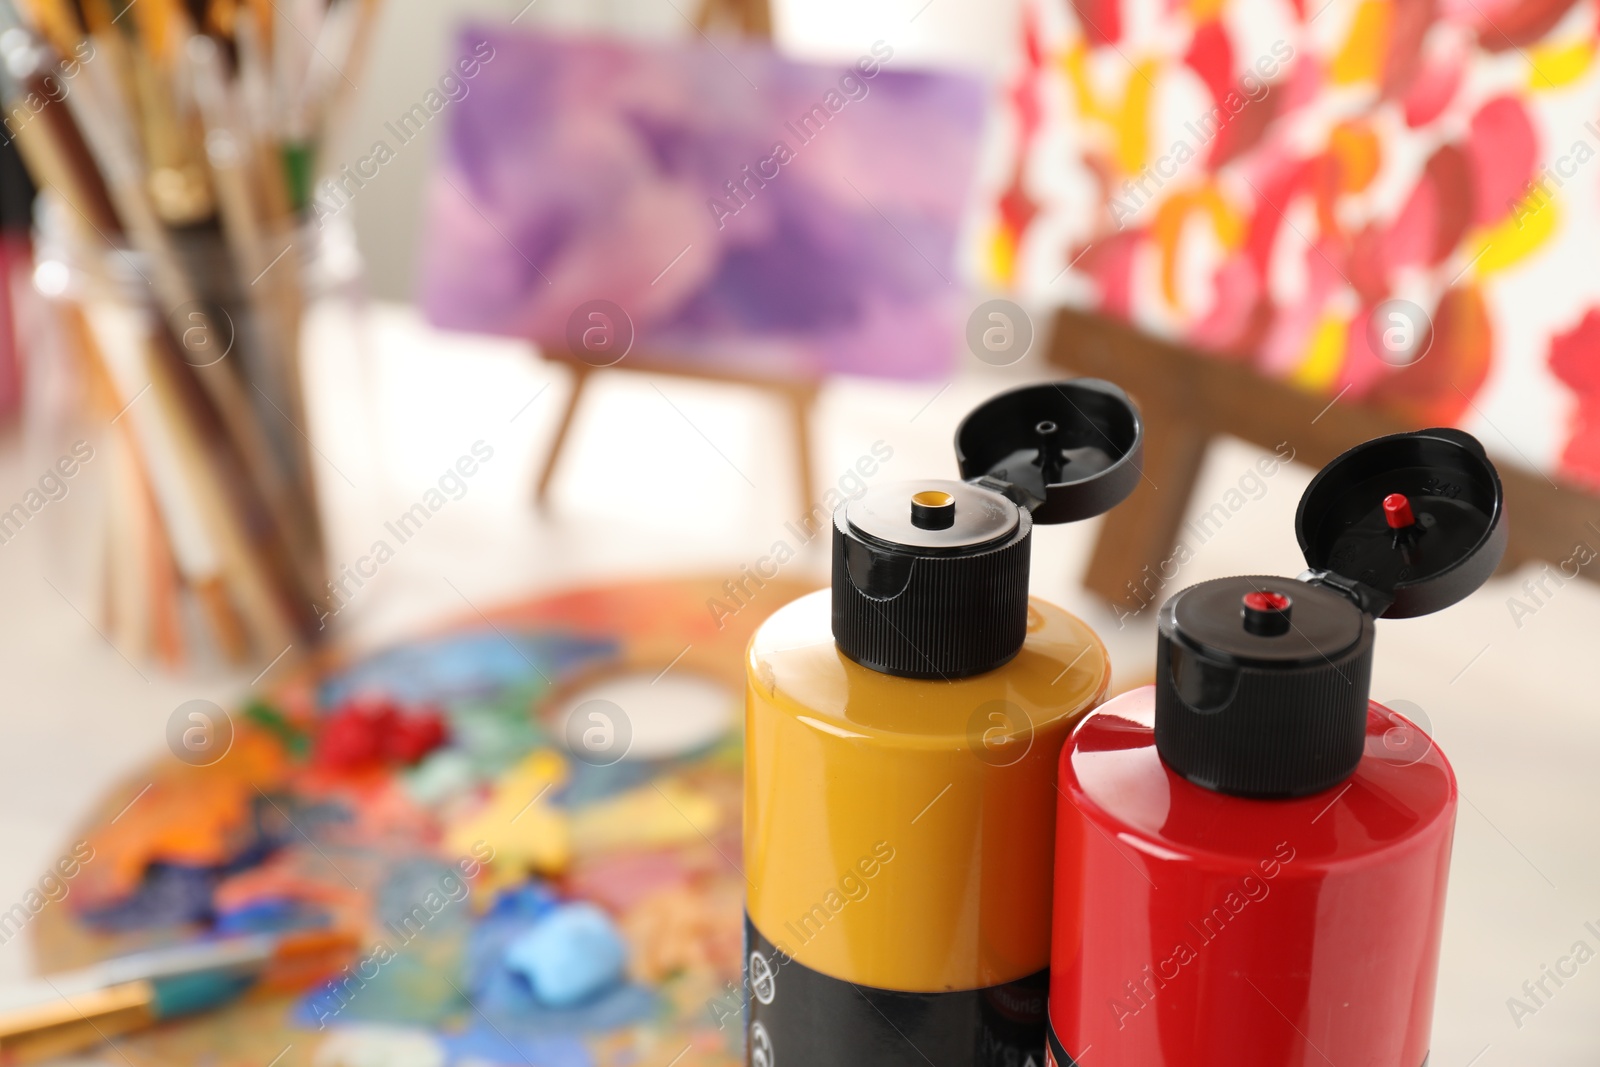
{"x": 461, "y": 666}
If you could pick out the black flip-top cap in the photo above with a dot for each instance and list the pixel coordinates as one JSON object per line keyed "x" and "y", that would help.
{"x": 1452, "y": 543}
{"x": 930, "y": 578}
{"x": 1262, "y": 684}
{"x": 1064, "y": 450}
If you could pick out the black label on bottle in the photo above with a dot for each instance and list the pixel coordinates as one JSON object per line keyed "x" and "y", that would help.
{"x": 797, "y": 1017}
{"x": 1058, "y": 1055}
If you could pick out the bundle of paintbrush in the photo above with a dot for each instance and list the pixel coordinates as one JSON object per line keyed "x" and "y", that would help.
{"x": 174, "y": 143}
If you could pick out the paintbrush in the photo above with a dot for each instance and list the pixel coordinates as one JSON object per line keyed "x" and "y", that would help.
{"x": 51, "y": 138}
{"x": 273, "y": 285}
{"x": 69, "y": 1012}
{"x": 180, "y": 550}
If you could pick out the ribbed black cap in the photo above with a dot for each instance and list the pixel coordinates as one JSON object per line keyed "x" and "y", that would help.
{"x": 1262, "y": 686}
{"x": 930, "y": 579}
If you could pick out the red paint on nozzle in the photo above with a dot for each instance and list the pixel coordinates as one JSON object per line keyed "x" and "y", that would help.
{"x": 1397, "y": 510}
{"x": 1266, "y": 614}
{"x": 1266, "y": 601}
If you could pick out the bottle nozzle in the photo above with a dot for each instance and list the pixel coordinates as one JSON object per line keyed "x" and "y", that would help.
{"x": 1267, "y": 614}
{"x": 1397, "y": 512}
{"x": 1049, "y": 459}
{"x": 933, "y": 509}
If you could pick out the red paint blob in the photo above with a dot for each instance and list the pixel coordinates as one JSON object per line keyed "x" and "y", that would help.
{"x": 414, "y": 736}
{"x": 365, "y": 733}
{"x": 352, "y": 737}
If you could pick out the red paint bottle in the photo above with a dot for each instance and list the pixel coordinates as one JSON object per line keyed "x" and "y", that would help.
{"x": 1251, "y": 855}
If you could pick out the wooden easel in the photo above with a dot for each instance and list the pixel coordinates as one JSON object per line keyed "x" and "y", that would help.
{"x": 1189, "y": 398}
{"x": 799, "y": 397}
{"x": 752, "y": 18}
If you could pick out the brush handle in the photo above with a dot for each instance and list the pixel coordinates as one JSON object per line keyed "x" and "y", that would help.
{"x": 64, "y": 1026}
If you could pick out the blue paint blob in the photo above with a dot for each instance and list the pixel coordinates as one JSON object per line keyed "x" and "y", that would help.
{"x": 572, "y": 955}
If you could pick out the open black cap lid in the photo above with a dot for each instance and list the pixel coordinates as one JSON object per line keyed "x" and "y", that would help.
{"x": 1407, "y": 524}
{"x": 1064, "y": 450}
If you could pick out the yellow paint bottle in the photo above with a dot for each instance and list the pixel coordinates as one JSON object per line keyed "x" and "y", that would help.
{"x": 902, "y": 734}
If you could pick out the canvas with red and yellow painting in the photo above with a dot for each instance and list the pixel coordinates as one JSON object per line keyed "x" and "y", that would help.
{"x": 1388, "y": 201}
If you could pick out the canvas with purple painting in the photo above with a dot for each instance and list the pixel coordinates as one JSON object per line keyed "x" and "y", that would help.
{"x": 750, "y": 214}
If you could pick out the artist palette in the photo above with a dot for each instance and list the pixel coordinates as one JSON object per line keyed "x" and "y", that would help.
{"x": 581, "y": 796}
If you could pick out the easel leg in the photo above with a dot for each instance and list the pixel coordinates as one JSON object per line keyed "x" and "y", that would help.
{"x": 802, "y": 398}
{"x": 580, "y": 378}
{"x": 1143, "y": 530}
{"x": 752, "y": 18}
